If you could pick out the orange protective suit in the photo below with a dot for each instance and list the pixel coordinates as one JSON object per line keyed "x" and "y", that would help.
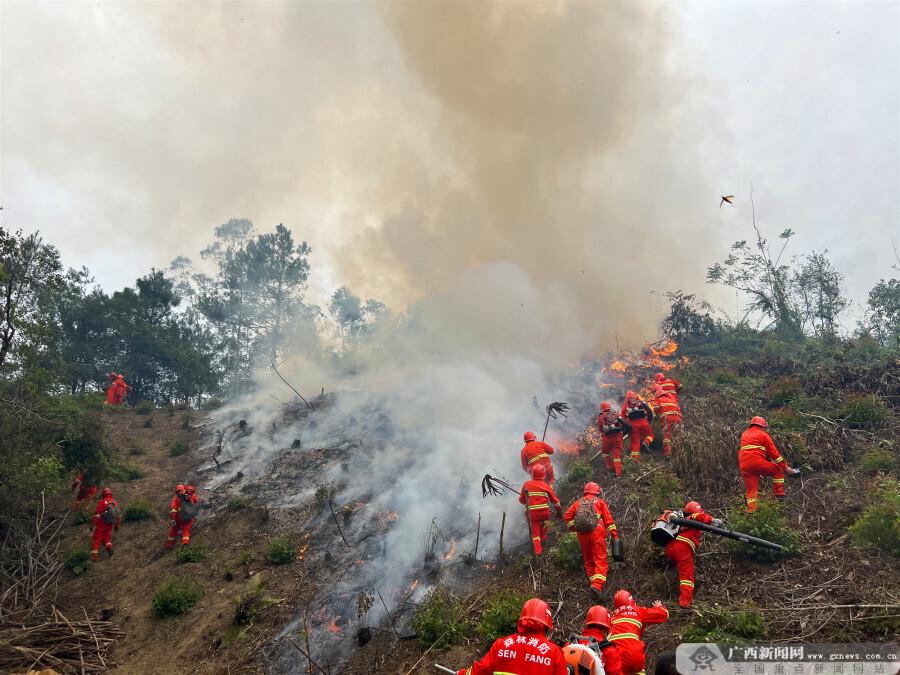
{"x": 537, "y": 452}
{"x": 103, "y": 530}
{"x": 671, "y": 386}
{"x": 666, "y": 407}
{"x": 612, "y": 431}
{"x": 180, "y": 523}
{"x": 83, "y": 490}
{"x": 639, "y": 416}
{"x": 538, "y": 496}
{"x": 681, "y": 553}
{"x": 524, "y": 653}
{"x": 115, "y": 395}
{"x": 757, "y": 457}
{"x": 593, "y": 544}
{"x": 612, "y": 661}
{"x": 627, "y": 633}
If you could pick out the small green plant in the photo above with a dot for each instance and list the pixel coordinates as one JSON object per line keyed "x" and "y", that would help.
{"x": 567, "y": 552}
{"x": 325, "y": 493}
{"x": 877, "y": 460}
{"x": 144, "y": 407}
{"x": 665, "y": 492}
{"x": 579, "y": 473}
{"x": 863, "y": 412}
{"x": 879, "y": 525}
{"x": 175, "y": 597}
{"x": 251, "y": 602}
{"x": 79, "y": 561}
{"x": 191, "y": 554}
{"x": 501, "y": 612}
{"x": 139, "y": 509}
{"x": 440, "y": 620}
{"x": 787, "y": 419}
{"x": 768, "y": 522}
{"x": 281, "y": 551}
{"x": 123, "y": 472}
{"x": 80, "y": 518}
{"x": 717, "y": 624}
{"x": 723, "y": 376}
{"x": 177, "y": 448}
{"x": 246, "y": 558}
{"x": 783, "y": 391}
{"x": 239, "y": 503}
{"x": 136, "y": 450}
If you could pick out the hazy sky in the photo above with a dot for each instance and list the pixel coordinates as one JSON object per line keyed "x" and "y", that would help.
{"x": 407, "y": 142}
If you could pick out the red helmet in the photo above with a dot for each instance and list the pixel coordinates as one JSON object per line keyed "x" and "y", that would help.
{"x": 597, "y": 616}
{"x": 660, "y": 377}
{"x": 622, "y": 598}
{"x": 592, "y": 489}
{"x": 630, "y": 394}
{"x": 692, "y": 507}
{"x": 537, "y": 610}
{"x": 605, "y": 406}
{"x": 538, "y": 472}
{"x": 106, "y": 494}
{"x": 759, "y": 422}
{"x": 113, "y": 376}
{"x": 179, "y": 489}
{"x": 189, "y": 489}
{"x": 529, "y": 436}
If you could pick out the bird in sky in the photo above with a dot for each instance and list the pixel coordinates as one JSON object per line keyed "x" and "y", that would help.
{"x": 726, "y": 199}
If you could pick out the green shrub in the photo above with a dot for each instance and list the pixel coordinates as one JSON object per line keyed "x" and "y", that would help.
{"x": 885, "y": 623}
{"x": 783, "y": 391}
{"x": 79, "y": 561}
{"x": 281, "y": 551}
{"x": 238, "y": 503}
{"x": 723, "y": 376}
{"x": 863, "y": 412}
{"x": 175, "y": 597}
{"x": 80, "y": 518}
{"x": 879, "y": 525}
{"x": 787, "y": 419}
{"x": 878, "y": 460}
{"x": 665, "y": 492}
{"x": 717, "y": 624}
{"x": 43, "y": 475}
{"x": 439, "y": 620}
{"x": 186, "y": 421}
{"x": 325, "y": 493}
{"x": 144, "y": 407}
{"x": 579, "y": 473}
{"x": 567, "y": 552}
{"x": 178, "y": 448}
{"x": 212, "y": 404}
{"x": 251, "y": 602}
{"x": 136, "y": 449}
{"x": 768, "y": 522}
{"x": 123, "y": 472}
{"x": 501, "y": 612}
{"x": 191, "y": 554}
{"x": 139, "y": 509}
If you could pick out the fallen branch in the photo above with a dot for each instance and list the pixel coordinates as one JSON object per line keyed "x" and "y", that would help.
{"x": 308, "y": 405}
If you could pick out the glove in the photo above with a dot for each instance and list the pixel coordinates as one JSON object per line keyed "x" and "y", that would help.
{"x": 718, "y": 522}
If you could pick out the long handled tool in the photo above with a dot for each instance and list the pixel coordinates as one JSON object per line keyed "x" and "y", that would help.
{"x": 495, "y": 486}
{"x": 730, "y": 534}
{"x": 554, "y": 410}
{"x": 444, "y": 669}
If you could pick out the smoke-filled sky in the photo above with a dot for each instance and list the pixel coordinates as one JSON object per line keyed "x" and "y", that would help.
{"x": 411, "y": 144}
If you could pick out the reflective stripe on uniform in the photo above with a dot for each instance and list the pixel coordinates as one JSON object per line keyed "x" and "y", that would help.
{"x": 543, "y": 455}
{"x": 780, "y": 459}
{"x": 625, "y": 619}
{"x": 686, "y": 582}
{"x": 539, "y": 507}
{"x": 778, "y": 480}
{"x": 622, "y": 636}
{"x": 687, "y": 541}
{"x": 612, "y": 527}
{"x": 597, "y": 576}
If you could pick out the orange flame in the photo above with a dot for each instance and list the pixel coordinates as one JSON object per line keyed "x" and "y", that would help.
{"x": 452, "y": 551}
{"x": 301, "y": 553}
{"x": 567, "y": 447}
{"x": 413, "y": 586}
{"x": 333, "y": 627}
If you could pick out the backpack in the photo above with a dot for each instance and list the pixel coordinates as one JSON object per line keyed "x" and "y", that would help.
{"x": 111, "y": 515}
{"x": 585, "y": 516}
{"x": 663, "y": 532}
{"x": 188, "y": 509}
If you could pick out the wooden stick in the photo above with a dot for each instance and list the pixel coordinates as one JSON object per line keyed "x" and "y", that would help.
{"x": 502, "y": 527}
{"x": 390, "y": 618}
{"x": 291, "y": 386}
{"x": 330, "y": 506}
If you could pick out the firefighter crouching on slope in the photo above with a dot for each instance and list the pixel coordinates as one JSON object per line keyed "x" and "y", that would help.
{"x": 683, "y": 548}
{"x": 639, "y": 416}
{"x": 106, "y": 518}
{"x": 182, "y": 511}
{"x": 628, "y": 622}
{"x": 590, "y": 519}
{"x": 525, "y": 652}
{"x": 666, "y": 407}
{"x": 667, "y": 383}
{"x": 596, "y": 626}
{"x": 537, "y": 452}
{"x": 537, "y": 496}
{"x": 757, "y": 457}
{"x": 612, "y": 431}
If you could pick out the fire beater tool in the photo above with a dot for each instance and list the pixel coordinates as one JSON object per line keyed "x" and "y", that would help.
{"x": 554, "y": 410}
{"x": 444, "y": 669}
{"x": 494, "y": 486}
{"x": 730, "y": 534}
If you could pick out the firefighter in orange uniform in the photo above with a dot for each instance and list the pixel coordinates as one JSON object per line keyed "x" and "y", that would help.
{"x": 670, "y": 385}
{"x": 537, "y": 452}
{"x": 590, "y": 519}
{"x": 115, "y": 395}
{"x": 757, "y": 457}
{"x": 666, "y": 407}
{"x": 639, "y": 416}
{"x": 683, "y": 548}
{"x": 538, "y": 496}
{"x": 627, "y": 631}
{"x": 182, "y": 511}
{"x": 83, "y": 489}
{"x": 596, "y": 625}
{"x": 107, "y": 517}
{"x": 612, "y": 431}
{"x": 528, "y": 651}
